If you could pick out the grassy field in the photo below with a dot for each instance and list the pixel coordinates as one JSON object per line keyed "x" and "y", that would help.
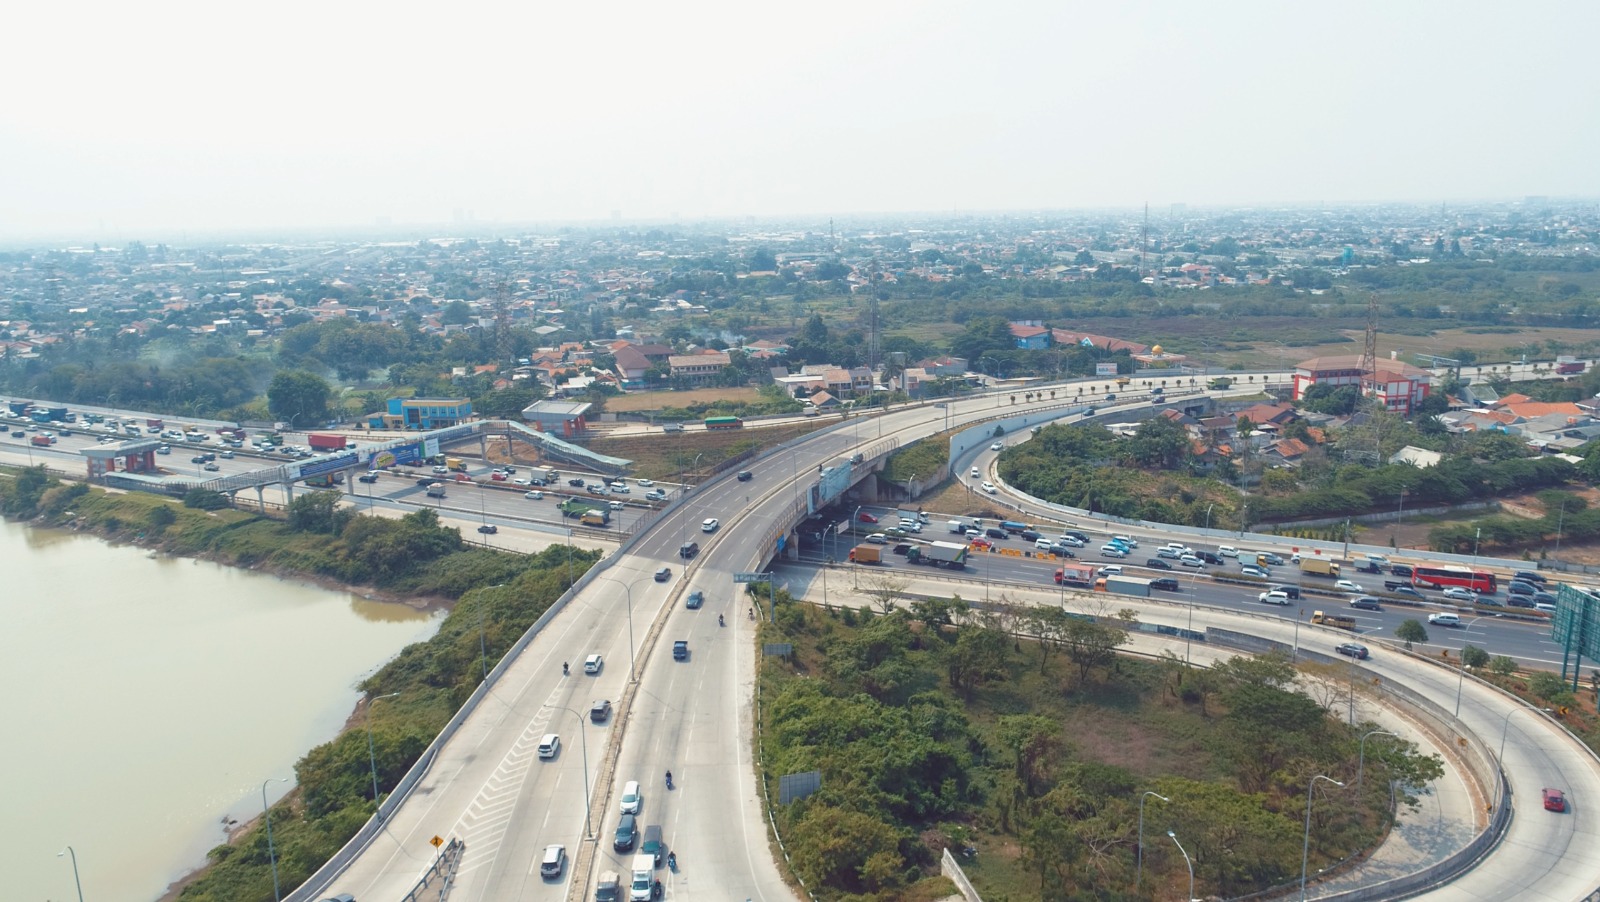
{"x": 662, "y": 456}
{"x": 656, "y": 400}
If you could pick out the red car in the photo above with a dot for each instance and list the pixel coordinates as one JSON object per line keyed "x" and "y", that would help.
{"x": 865, "y": 517}
{"x": 980, "y": 544}
{"x": 1554, "y": 800}
{"x": 498, "y": 476}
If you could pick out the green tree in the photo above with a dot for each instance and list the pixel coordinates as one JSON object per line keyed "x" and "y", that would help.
{"x": 455, "y": 313}
{"x": 161, "y": 517}
{"x": 1474, "y": 657}
{"x": 318, "y": 512}
{"x": 978, "y": 657}
{"x": 298, "y": 397}
{"x": 1410, "y": 631}
{"x": 1091, "y": 645}
{"x": 1503, "y": 665}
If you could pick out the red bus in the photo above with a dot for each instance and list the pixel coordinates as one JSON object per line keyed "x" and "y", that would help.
{"x": 1439, "y": 577}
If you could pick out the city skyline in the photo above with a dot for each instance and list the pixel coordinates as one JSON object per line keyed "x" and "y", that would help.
{"x": 134, "y": 123}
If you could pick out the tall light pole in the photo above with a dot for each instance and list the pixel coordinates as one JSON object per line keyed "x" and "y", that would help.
{"x": 1138, "y": 879}
{"x": 70, "y": 851}
{"x": 372, "y": 752}
{"x": 1305, "y": 847}
{"x": 1190, "y": 864}
{"x": 583, "y": 743}
{"x": 1476, "y": 538}
{"x": 1361, "y": 764}
{"x": 1560, "y": 519}
{"x": 1208, "y": 514}
{"x": 1505, "y": 728}
{"x": 272, "y": 854}
{"x": 632, "y": 676}
{"x": 1461, "y": 675}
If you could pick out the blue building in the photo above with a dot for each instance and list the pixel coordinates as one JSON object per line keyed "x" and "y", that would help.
{"x": 423, "y": 413}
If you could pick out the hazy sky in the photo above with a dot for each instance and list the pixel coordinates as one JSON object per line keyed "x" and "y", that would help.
{"x": 120, "y": 120}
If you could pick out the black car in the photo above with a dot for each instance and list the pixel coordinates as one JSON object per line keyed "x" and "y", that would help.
{"x": 995, "y": 532}
{"x": 1353, "y": 649}
{"x": 367, "y": 477}
{"x": 1407, "y": 591}
{"x": 1524, "y": 601}
{"x": 488, "y": 529}
{"x": 1400, "y": 569}
{"x": 688, "y": 550}
{"x": 600, "y": 711}
{"x": 1516, "y": 587}
{"x": 1543, "y": 598}
{"x": 1208, "y": 557}
{"x": 744, "y": 475}
{"x": 1031, "y": 535}
{"x": 1158, "y": 564}
{"x": 17, "y": 433}
{"x": 627, "y": 834}
{"x": 663, "y": 574}
{"x": 575, "y": 483}
{"x": 1076, "y": 535}
{"x": 1366, "y": 603}
{"x": 1165, "y": 583}
{"x": 902, "y": 548}
{"x": 1528, "y": 576}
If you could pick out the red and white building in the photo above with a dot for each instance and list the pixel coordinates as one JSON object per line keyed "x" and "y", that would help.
{"x": 1400, "y": 386}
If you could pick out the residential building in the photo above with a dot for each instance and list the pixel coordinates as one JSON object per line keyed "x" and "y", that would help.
{"x": 1398, "y": 385}
{"x": 423, "y": 413}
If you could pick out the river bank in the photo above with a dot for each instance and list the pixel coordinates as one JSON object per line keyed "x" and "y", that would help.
{"x": 412, "y": 559}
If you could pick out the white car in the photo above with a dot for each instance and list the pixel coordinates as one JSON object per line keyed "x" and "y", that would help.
{"x": 1460, "y": 593}
{"x": 1072, "y": 541}
{"x": 620, "y": 488}
{"x": 878, "y": 538}
{"x": 1112, "y": 551}
{"x": 1276, "y": 596}
{"x": 617, "y": 506}
{"x": 1190, "y": 560}
{"x": 1444, "y": 619}
{"x": 975, "y": 473}
{"x": 520, "y": 481}
{"x": 1228, "y": 551}
{"x": 989, "y": 487}
{"x": 1345, "y": 585}
{"x": 549, "y": 746}
{"x": 998, "y": 446}
{"x": 645, "y": 482}
{"x": 534, "y": 495}
{"x": 631, "y": 797}
{"x": 1111, "y": 570}
{"x": 710, "y": 524}
{"x": 593, "y": 663}
{"x": 1253, "y": 570}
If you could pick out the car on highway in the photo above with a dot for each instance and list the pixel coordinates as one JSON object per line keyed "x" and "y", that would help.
{"x": 1276, "y": 596}
{"x": 877, "y": 538}
{"x": 974, "y": 475}
{"x": 553, "y": 862}
{"x": 1554, "y": 800}
{"x": 441, "y": 471}
{"x": 1156, "y": 563}
{"x": 1460, "y": 593}
{"x": 1073, "y": 541}
{"x": 619, "y": 487}
{"x": 1190, "y": 560}
{"x": 980, "y": 543}
{"x": 1110, "y": 570}
{"x": 1406, "y": 591}
{"x": 367, "y": 477}
{"x": 866, "y": 517}
{"x": 695, "y": 600}
{"x": 1348, "y": 585}
{"x": 1537, "y": 598}
{"x": 645, "y": 483}
{"x": 1074, "y": 534}
{"x": 211, "y": 467}
{"x": 1366, "y": 603}
{"x": 534, "y": 495}
{"x": 497, "y": 476}
{"x": 522, "y": 482}
{"x": 1228, "y": 551}
{"x": 488, "y": 529}
{"x": 600, "y": 711}
{"x": 1112, "y": 551}
{"x": 998, "y": 446}
{"x": 1253, "y": 570}
{"x": 1400, "y": 570}
{"x": 710, "y": 524}
{"x": 632, "y": 798}
{"x": 655, "y": 495}
{"x": 1546, "y": 608}
{"x": 1489, "y": 601}
{"x": 1060, "y": 550}
{"x": 1164, "y": 583}
{"x": 616, "y": 505}
{"x": 745, "y": 475}
{"x": 1353, "y": 649}
{"x": 549, "y": 746}
{"x": 1528, "y": 601}
{"x": 575, "y": 483}
{"x": 627, "y": 834}
{"x": 197, "y": 459}
{"x": 164, "y": 449}
{"x": 594, "y": 664}
{"x": 1528, "y": 576}
{"x": 1444, "y": 618}
{"x": 1129, "y": 541}
{"x": 1518, "y": 587}
{"x": 989, "y": 487}
{"x": 1170, "y": 552}
{"x": 664, "y": 573}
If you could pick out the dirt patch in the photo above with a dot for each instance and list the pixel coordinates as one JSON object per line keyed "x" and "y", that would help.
{"x": 664, "y": 455}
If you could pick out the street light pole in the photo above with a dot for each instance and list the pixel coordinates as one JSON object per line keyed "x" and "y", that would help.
{"x": 1476, "y": 538}
{"x": 372, "y": 753}
{"x": 1505, "y": 728}
{"x": 583, "y": 743}
{"x": 632, "y": 662}
{"x": 1305, "y": 847}
{"x": 1190, "y": 864}
{"x": 69, "y": 850}
{"x": 1361, "y": 765}
{"x": 272, "y": 854}
{"x": 1461, "y": 669}
{"x": 1138, "y": 879}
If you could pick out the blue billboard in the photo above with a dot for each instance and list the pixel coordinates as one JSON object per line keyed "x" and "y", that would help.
{"x": 319, "y": 466}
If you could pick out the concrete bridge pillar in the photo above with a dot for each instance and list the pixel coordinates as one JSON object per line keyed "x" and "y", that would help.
{"x": 261, "y": 497}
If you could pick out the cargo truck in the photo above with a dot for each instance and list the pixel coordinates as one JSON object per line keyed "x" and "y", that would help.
{"x": 1319, "y": 567}
{"x": 19, "y": 408}
{"x": 596, "y": 517}
{"x": 43, "y": 440}
{"x": 455, "y": 463}
{"x": 1333, "y": 620}
{"x": 154, "y": 425}
{"x": 867, "y": 554}
{"x": 1123, "y": 585}
{"x": 575, "y": 507}
{"x": 947, "y": 554}
{"x": 322, "y": 441}
{"x": 1569, "y": 366}
{"x": 1081, "y": 575}
{"x": 436, "y": 490}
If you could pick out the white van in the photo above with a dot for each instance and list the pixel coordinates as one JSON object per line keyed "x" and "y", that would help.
{"x": 1043, "y": 544}
{"x": 631, "y": 798}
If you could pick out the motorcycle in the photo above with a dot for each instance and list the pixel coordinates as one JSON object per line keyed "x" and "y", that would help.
{"x": 720, "y": 621}
{"x": 565, "y": 670}
{"x": 669, "y": 779}
{"x": 672, "y": 862}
